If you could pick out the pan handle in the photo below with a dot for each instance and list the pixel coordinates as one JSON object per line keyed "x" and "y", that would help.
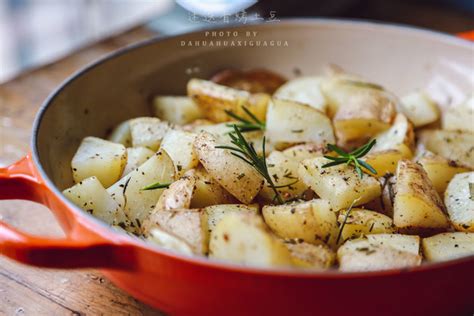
{"x": 20, "y": 181}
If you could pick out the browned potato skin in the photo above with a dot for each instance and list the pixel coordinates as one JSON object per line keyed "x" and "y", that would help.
{"x": 189, "y": 225}
{"x": 310, "y": 256}
{"x": 253, "y": 80}
{"x": 235, "y": 175}
{"x": 177, "y": 196}
{"x": 413, "y": 181}
{"x": 368, "y": 108}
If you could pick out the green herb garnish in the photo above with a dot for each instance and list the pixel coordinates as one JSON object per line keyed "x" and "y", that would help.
{"x": 351, "y": 158}
{"x": 245, "y": 125}
{"x": 245, "y": 151}
{"x": 343, "y": 224}
{"x": 156, "y": 186}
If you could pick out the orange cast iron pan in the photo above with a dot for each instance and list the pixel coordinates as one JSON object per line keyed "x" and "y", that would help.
{"x": 120, "y": 86}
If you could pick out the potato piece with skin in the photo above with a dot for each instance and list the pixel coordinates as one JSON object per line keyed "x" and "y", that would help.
{"x": 340, "y": 185}
{"x": 135, "y": 157}
{"x": 208, "y": 191}
{"x": 235, "y": 175}
{"x": 100, "y": 158}
{"x": 129, "y": 194}
{"x": 459, "y": 199}
{"x": 440, "y": 170}
{"x": 90, "y": 195}
{"x": 292, "y": 122}
{"x": 364, "y": 115}
{"x": 214, "y": 99}
{"x": 178, "y": 110}
{"x": 419, "y": 109}
{"x": 310, "y": 256}
{"x": 311, "y": 221}
{"x": 384, "y": 162}
{"x": 188, "y": 224}
{"x": 302, "y": 152}
{"x": 457, "y": 146}
{"x": 367, "y": 255}
{"x": 362, "y": 222}
{"x": 215, "y": 213}
{"x": 244, "y": 238}
{"x": 179, "y": 146}
{"x": 408, "y": 243}
{"x": 169, "y": 241}
{"x": 448, "y": 246}
{"x": 460, "y": 117}
{"x": 221, "y": 132}
{"x": 400, "y": 136}
{"x": 148, "y": 132}
{"x": 417, "y": 206}
{"x": 284, "y": 171}
{"x": 303, "y": 90}
{"x": 253, "y": 80}
{"x": 338, "y": 88}
{"x": 121, "y": 134}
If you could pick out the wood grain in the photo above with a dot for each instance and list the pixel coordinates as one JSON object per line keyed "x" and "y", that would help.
{"x": 26, "y": 290}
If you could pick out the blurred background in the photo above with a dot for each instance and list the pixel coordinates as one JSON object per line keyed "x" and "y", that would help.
{"x": 42, "y": 42}
{"x": 35, "y": 32}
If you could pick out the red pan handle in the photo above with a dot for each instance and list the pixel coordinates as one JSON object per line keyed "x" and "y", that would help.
{"x": 20, "y": 181}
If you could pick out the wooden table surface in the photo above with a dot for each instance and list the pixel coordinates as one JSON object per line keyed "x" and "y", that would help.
{"x": 31, "y": 291}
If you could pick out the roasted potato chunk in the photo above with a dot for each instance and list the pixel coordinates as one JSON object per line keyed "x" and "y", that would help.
{"x": 292, "y": 122}
{"x": 243, "y": 238}
{"x": 371, "y": 254}
{"x": 384, "y": 162}
{"x": 98, "y": 158}
{"x": 179, "y": 146}
{"x": 284, "y": 173}
{"x": 340, "y": 185}
{"x": 419, "y": 109}
{"x": 311, "y": 221}
{"x": 235, "y": 175}
{"x": 400, "y": 136}
{"x": 169, "y": 241}
{"x": 448, "y": 246}
{"x": 215, "y": 213}
{"x": 178, "y": 110}
{"x": 310, "y": 256}
{"x": 208, "y": 191}
{"x": 90, "y": 195}
{"x": 214, "y": 99}
{"x": 363, "y": 116}
{"x": 459, "y": 199}
{"x": 417, "y": 205}
{"x": 121, "y": 134}
{"x": 457, "y": 146}
{"x": 460, "y": 117}
{"x": 303, "y": 90}
{"x": 440, "y": 170}
{"x": 189, "y": 225}
{"x": 129, "y": 194}
{"x": 253, "y": 81}
{"x": 136, "y": 156}
{"x": 360, "y": 222}
{"x": 148, "y": 132}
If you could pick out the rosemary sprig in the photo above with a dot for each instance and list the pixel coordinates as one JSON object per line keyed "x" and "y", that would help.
{"x": 245, "y": 151}
{"x": 155, "y": 186}
{"x": 244, "y": 125}
{"x": 343, "y": 224}
{"x": 351, "y": 158}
